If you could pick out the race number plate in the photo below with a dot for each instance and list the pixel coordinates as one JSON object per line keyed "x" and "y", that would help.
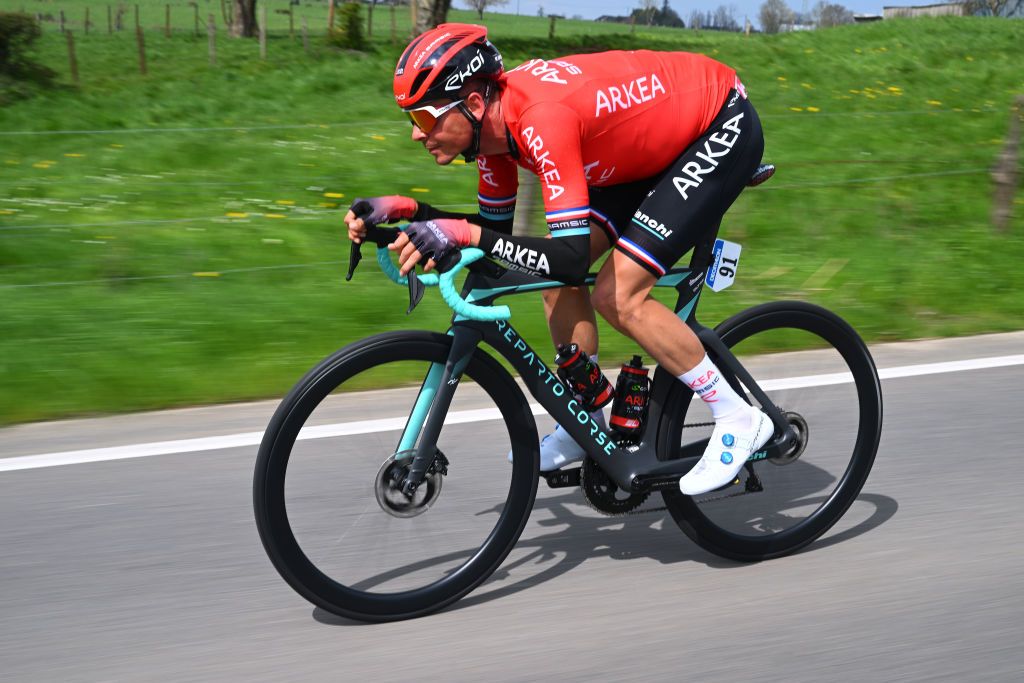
{"x": 722, "y": 271}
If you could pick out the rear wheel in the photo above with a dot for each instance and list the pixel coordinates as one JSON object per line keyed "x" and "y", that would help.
{"x": 829, "y": 392}
{"x": 327, "y": 488}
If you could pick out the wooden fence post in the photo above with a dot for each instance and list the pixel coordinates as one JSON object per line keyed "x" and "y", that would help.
{"x": 1006, "y": 173}
{"x": 291, "y": 22}
{"x": 305, "y": 35}
{"x": 330, "y": 14}
{"x": 62, "y": 21}
{"x": 142, "y": 50}
{"x": 72, "y": 59}
{"x": 211, "y": 32}
{"x": 263, "y": 31}
{"x": 551, "y": 29}
{"x": 632, "y": 25}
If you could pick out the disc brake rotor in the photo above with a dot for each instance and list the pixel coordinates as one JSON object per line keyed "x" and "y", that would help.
{"x": 388, "y": 485}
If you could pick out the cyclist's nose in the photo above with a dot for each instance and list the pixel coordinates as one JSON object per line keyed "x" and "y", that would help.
{"x": 417, "y": 134}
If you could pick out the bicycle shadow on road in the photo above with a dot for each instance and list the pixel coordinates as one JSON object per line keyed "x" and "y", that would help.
{"x": 578, "y": 535}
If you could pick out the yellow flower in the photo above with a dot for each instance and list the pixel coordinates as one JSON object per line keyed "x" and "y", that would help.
{"x": 813, "y": 109}
{"x": 334, "y": 195}
{"x": 41, "y": 164}
{"x": 935, "y": 103}
{"x": 206, "y": 274}
{"x": 328, "y": 205}
{"x": 284, "y": 202}
{"x": 75, "y": 156}
{"x": 796, "y": 109}
{"x": 808, "y": 86}
{"x": 855, "y": 92}
{"x": 378, "y": 137}
{"x": 781, "y": 78}
{"x": 116, "y": 146}
{"x": 236, "y": 214}
{"x": 274, "y": 215}
{"x": 969, "y": 58}
{"x": 419, "y": 189}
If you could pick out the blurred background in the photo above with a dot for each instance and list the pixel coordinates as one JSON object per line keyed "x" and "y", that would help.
{"x": 173, "y": 175}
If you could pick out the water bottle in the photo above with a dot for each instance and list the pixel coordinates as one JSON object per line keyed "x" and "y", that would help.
{"x": 583, "y": 377}
{"x": 632, "y": 393}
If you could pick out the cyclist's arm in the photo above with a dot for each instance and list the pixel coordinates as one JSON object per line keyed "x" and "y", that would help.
{"x": 550, "y": 139}
{"x": 503, "y": 225}
{"x": 497, "y": 186}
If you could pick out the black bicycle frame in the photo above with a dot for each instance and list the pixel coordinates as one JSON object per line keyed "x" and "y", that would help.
{"x": 633, "y": 467}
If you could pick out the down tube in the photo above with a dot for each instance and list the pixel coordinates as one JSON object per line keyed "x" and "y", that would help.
{"x": 548, "y": 389}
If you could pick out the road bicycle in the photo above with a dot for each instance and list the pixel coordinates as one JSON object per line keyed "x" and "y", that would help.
{"x": 352, "y": 512}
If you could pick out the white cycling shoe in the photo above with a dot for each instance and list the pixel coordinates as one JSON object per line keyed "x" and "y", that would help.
{"x": 732, "y": 443}
{"x": 558, "y": 449}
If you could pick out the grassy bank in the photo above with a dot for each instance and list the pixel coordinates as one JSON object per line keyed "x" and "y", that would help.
{"x": 183, "y": 246}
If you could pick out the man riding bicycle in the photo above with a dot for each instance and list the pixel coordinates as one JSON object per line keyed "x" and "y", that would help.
{"x": 640, "y": 152}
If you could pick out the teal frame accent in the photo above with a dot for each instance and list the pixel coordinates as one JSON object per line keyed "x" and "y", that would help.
{"x": 414, "y": 425}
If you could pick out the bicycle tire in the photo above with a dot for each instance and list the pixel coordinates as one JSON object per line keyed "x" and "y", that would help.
{"x": 277, "y": 535}
{"x": 840, "y": 336}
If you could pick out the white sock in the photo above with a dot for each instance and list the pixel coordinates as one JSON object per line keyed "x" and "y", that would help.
{"x": 707, "y": 381}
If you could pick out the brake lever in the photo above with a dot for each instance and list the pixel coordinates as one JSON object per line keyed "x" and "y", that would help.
{"x": 416, "y": 289}
{"x": 354, "y": 257}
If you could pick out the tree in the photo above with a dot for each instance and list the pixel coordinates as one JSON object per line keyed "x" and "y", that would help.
{"x": 481, "y": 5}
{"x": 430, "y": 13}
{"x": 775, "y": 13}
{"x": 244, "y": 24}
{"x": 995, "y": 8}
{"x": 826, "y": 14}
{"x": 648, "y": 10}
{"x": 725, "y": 19}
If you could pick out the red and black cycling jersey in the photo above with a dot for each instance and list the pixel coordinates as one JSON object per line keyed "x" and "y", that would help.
{"x": 586, "y": 121}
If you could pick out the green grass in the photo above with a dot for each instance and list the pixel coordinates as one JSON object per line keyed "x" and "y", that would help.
{"x": 145, "y": 221}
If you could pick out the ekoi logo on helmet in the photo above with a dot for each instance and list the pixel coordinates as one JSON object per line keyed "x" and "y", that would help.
{"x": 456, "y": 80}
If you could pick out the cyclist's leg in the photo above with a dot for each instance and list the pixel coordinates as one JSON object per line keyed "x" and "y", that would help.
{"x": 569, "y": 310}
{"x": 687, "y": 200}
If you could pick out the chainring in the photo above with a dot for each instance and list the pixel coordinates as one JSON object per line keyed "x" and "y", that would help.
{"x": 391, "y": 476}
{"x": 604, "y": 495}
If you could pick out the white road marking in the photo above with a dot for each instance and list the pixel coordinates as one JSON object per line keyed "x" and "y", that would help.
{"x": 249, "y": 439}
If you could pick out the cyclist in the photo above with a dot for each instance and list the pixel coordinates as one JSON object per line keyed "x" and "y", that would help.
{"x": 640, "y": 152}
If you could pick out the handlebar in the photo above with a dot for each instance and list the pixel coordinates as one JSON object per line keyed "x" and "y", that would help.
{"x": 416, "y": 283}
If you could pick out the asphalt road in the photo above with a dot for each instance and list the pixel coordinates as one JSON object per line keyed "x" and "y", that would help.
{"x": 150, "y": 568}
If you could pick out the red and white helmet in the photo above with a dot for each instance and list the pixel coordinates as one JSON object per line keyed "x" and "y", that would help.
{"x": 439, "y": 62}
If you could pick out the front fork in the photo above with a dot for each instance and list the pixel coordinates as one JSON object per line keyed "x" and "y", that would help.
{"x": 432, "y": 403}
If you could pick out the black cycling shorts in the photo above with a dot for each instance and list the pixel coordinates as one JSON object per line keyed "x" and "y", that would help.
{"x": 657, "y": 220}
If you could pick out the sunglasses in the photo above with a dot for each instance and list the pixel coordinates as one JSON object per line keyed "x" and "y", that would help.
{"x": 425, "y": 118}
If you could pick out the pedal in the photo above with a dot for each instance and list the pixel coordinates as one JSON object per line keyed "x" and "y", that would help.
{"x": 562, "y": 479}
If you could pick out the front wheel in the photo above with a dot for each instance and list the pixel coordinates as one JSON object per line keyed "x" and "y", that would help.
{"x": 327, "y": 489}
{"x": 819, "y": 373}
